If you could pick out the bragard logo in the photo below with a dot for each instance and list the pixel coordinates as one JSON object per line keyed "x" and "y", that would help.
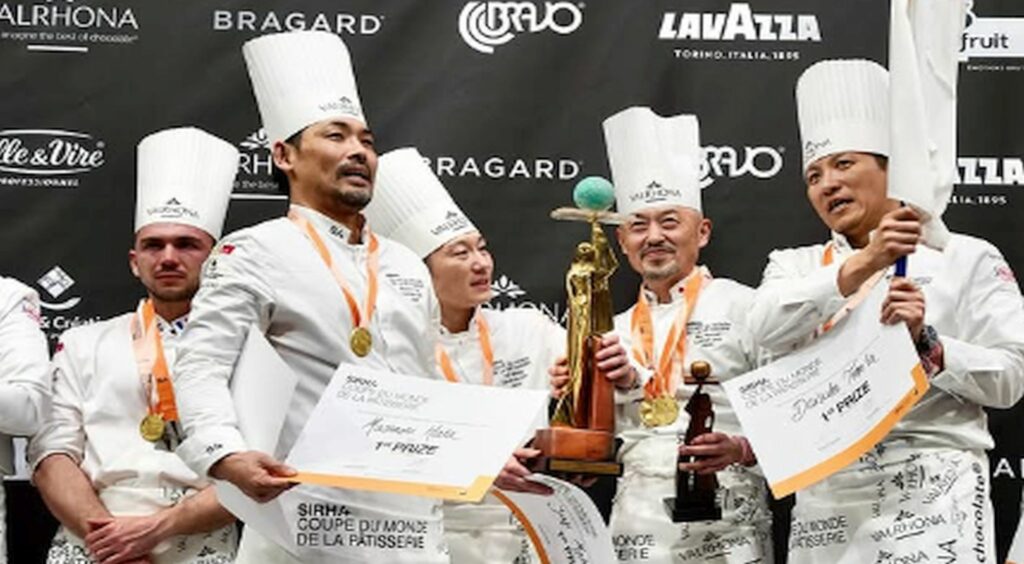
{"x": 270, "y": 21}
{"x": 486, "y": 25}
{"x": 49, "y": 152}
{"x": 740, "y": 23}
{"x": 500, "y": 167}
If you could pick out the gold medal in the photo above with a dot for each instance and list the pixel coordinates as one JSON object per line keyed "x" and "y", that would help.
{"x": 659, "y": 411}
{"x": 361, "y": 341}
{"x": 152, "y": 427}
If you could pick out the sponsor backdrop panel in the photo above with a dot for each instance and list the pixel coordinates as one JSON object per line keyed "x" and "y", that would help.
{"x": 506, "y": 102}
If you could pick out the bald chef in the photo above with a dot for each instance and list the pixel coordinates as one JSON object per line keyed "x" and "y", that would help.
{"x": 323, "y": 288}
{"x": 104, "y": 460}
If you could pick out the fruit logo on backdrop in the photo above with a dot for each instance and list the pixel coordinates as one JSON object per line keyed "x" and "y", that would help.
{"x": 486, "y": 25}
{"x": 47, "y": 158}
{"x": 992, "y": 38}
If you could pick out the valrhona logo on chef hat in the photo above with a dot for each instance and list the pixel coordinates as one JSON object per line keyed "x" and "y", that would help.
{"x": 843, "y": 105}
{"x": 411, "y": 206}
{"x": 655, "y": 161}
{"x": 185, "y": 175}
{"x": 300, "y": 78}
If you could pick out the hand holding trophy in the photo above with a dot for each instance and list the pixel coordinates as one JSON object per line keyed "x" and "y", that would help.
{"x": 581, "y": 439}
{"x": 696, "y": 494}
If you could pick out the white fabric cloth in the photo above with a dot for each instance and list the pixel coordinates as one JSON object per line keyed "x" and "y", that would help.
{"x": 972, "y": 300}
{"x": 898, "y": 503}
{"x": 98, "y": 401}
{"x": 411, "y": 206}
{"x": 185, "y": 175}
{"x": 525, "y": 343}
{"x": 270, "y": 275}
{"x": 24, "y": 378}
{"x": 300, "y": 78}
{"x": 924, "y": 44}
{"x": 843, "y": 105}
{"x": 716, "y": 333}
{"x": 655, "y": 160}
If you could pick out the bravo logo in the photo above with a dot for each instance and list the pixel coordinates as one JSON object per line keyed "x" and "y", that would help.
{"x": 730, "y": 162}
{"x": 739, "y": 23}
{"x": 486, "y": 25}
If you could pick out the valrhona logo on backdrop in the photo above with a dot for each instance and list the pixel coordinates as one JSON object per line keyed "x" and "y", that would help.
{"x": 270, "y": 21}
{"x": 67, "y": 25}
{"x": 486, "y": 25}
{"x": 508, "y": 294}
{"x": 255, "y": 180}
{"x": 47, "y": 158}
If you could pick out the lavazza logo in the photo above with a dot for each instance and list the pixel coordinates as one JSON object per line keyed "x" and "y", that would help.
{"x": 486, "y": 25}
{"x": 67, "y": 25}
{"x": 341, "y": 23}
{"x": 57, "y": 303}
{"x": 740, "y": 23}
{"x": 47, "y": 158}
{"x": 986, "y": 172}
{"x": 255, "y": 179}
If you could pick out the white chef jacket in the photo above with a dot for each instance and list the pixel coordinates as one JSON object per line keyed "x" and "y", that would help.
{"x": 525, "y": 344}
{"x": 99, "y": 400}
{"x": 272, "y": 276}
{"x": 715, "y": 333}
{"x": 24, "y": 380}
{"x": 922, "y": 493}
{"x": 971, "y": 299}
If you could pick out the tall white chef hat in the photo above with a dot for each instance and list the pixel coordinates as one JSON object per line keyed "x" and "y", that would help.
{"x": 843, "y": 105}
{"x": 411, "y": 206}
{"x": 185, "y": 176}
{"x": 300, "y": 78}
{"x": 655, "y": 161}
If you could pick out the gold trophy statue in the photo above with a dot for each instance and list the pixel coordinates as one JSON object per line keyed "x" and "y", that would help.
{"x": 581, "y": 438}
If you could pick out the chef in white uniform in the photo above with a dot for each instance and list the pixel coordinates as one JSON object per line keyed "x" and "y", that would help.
{"x": 324, "y": 289}
{"x": 922, "y": 494}
{"x": 24, "y": 379}
{"x": 687, "y": 315}
{"x": 511, "y": 348}
{"x": 103, "y": 460}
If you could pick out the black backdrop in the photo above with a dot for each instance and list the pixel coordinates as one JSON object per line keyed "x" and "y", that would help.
{"x": 506, "y": 102}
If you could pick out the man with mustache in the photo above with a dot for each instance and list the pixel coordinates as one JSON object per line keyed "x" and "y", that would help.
{"x": 923, "y": 491}
{"x": 103, "y": 460}
{"x": 324, "y": 289}
{"x": 682, "y": 315}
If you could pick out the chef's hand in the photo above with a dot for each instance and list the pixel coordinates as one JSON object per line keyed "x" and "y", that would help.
{"x": 513, "y": 476}
{"x": 122, "y": 540}
{"x": 258, "y": 475}
{"x": 714, "y": 451}
{"x": 613, "y": 360}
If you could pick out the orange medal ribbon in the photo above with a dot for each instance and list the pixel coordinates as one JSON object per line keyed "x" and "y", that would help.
{"x": 152, "y": 365}
{"x": 360, "y": 318}
{"x": 826, "y": 259}
{"x": 642, "y": 329}
{"x": 485, "y": 346}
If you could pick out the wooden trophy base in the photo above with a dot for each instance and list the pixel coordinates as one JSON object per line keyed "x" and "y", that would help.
{"x": 567, "y": 450}
{"x": 687, "y": 512}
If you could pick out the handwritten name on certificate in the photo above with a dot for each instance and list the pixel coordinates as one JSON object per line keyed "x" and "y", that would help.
{"x": 565, "y": 527}
{"x": 815, "y": 411}
{"x": 380, "y": 431}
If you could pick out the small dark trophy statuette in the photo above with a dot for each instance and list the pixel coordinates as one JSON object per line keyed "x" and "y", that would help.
{"x": 696, "y": 494}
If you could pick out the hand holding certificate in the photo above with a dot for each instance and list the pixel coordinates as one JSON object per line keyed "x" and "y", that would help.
{"x": 379, "y": 431}
{"x": 832, "y": 401}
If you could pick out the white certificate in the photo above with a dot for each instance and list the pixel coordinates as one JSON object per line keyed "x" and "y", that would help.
{"x": 817, "y": 410}
{"x": 564, "y": 527}
{"x": 380, "y": 431}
